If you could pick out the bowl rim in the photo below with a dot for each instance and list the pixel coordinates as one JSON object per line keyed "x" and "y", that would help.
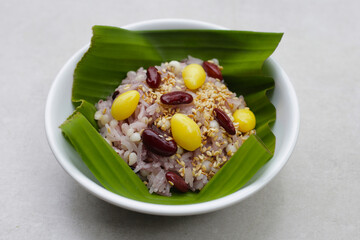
{"x": 159, "y": 209}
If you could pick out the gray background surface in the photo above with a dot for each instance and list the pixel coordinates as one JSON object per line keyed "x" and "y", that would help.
{"x": 316, "y": 195}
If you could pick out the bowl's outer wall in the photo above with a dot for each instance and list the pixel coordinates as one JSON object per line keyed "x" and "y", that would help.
{"x": 59, "y": 107}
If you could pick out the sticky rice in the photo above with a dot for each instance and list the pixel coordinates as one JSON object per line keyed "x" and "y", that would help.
{"x": 195, "y": 167}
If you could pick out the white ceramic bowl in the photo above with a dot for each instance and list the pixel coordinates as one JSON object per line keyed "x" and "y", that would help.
{"x": 59, "y": 107}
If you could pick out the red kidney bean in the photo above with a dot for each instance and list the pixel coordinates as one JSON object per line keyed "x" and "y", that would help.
{"x": 153, "y": 77}
{"x": 115, "y": 94}
{"x": 157, "y": 143}
{"x": 224, "y": 121}
{"x": 178, "y": 181}
{"x": 212, "y": 70}
{"x": 175, "y": 98}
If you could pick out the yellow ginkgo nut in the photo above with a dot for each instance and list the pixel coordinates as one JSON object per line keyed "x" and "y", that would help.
{"x": 125, "y": 104}
{"x": 194, "y": 76}
{"x": 185, "y": 132}
{"x": 245, "y": 118}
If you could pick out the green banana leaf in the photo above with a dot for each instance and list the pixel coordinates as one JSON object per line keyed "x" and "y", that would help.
{"x": 115, "y": 51}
